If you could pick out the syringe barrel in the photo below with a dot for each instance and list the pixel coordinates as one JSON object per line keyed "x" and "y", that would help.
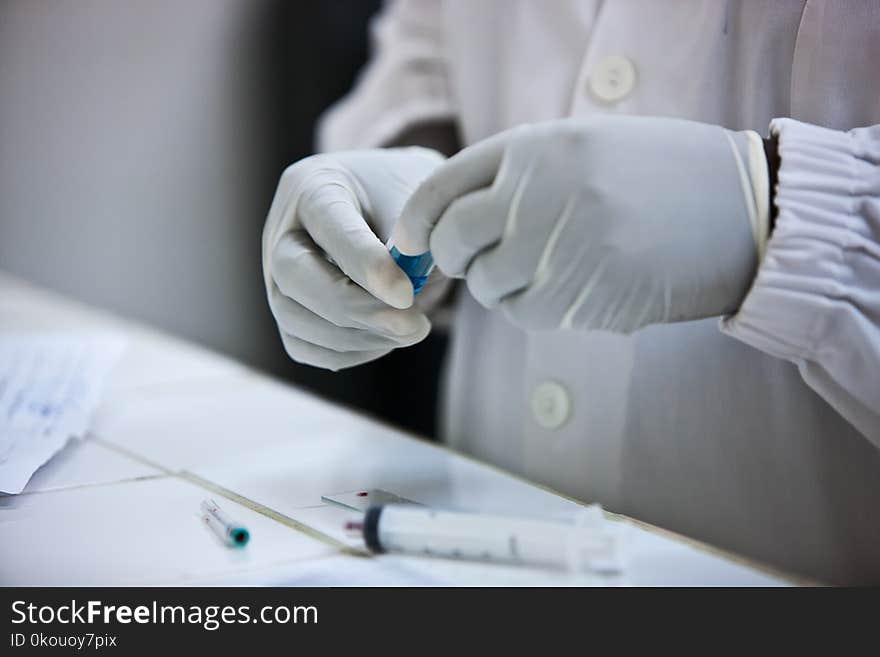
{"x": 418, "y": 530}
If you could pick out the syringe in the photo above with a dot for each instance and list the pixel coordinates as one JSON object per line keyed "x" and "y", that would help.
{"x": 580, "y": 547}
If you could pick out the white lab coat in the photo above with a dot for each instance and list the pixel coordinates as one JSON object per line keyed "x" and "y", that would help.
{"x": 760, "y": 433}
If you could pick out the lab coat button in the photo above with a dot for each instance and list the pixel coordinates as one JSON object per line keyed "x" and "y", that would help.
{"x": 613, "y": 78}
{"x": 551, "y": 404}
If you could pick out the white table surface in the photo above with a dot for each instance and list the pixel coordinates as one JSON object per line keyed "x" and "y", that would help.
{"x": 179, "y": 424}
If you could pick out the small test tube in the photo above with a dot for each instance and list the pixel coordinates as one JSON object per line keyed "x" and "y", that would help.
{"x": 231, "y": 533}
{"x": 418, "y": 266}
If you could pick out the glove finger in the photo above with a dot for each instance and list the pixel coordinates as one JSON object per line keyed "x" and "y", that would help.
{"x": 317, "y": 356}
{"x": 331, "y": 215}
{"x": 469, "y": 225}
{"x": 302, "y": 273}
{"x": 434, "y": 291}
{"x": 497, "y": 273}
{"x": 468, "y": 170}
{"x": 296, "y": 319}
{"x": 525, "y": 256}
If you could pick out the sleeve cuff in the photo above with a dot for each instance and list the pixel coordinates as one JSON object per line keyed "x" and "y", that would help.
{"x": 809, "y": 291}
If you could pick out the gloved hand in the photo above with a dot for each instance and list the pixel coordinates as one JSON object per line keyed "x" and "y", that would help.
{"x": 336, "y": 293}
{"x": 604, "y": 223}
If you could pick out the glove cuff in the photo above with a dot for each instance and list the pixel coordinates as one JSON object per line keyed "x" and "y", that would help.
{"x": 755, "y": 183}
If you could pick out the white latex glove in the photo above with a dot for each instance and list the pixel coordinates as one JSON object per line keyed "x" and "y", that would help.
{"x": 605, "y": 223}
{"x": 337, "y": 295}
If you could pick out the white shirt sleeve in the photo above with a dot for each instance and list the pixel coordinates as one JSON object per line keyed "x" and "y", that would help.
{"x": 816, "y": 298}
{"x": 405, "y": 83}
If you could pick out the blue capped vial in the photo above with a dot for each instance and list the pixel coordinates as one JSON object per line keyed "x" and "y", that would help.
{"x": 416, "y": 267}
